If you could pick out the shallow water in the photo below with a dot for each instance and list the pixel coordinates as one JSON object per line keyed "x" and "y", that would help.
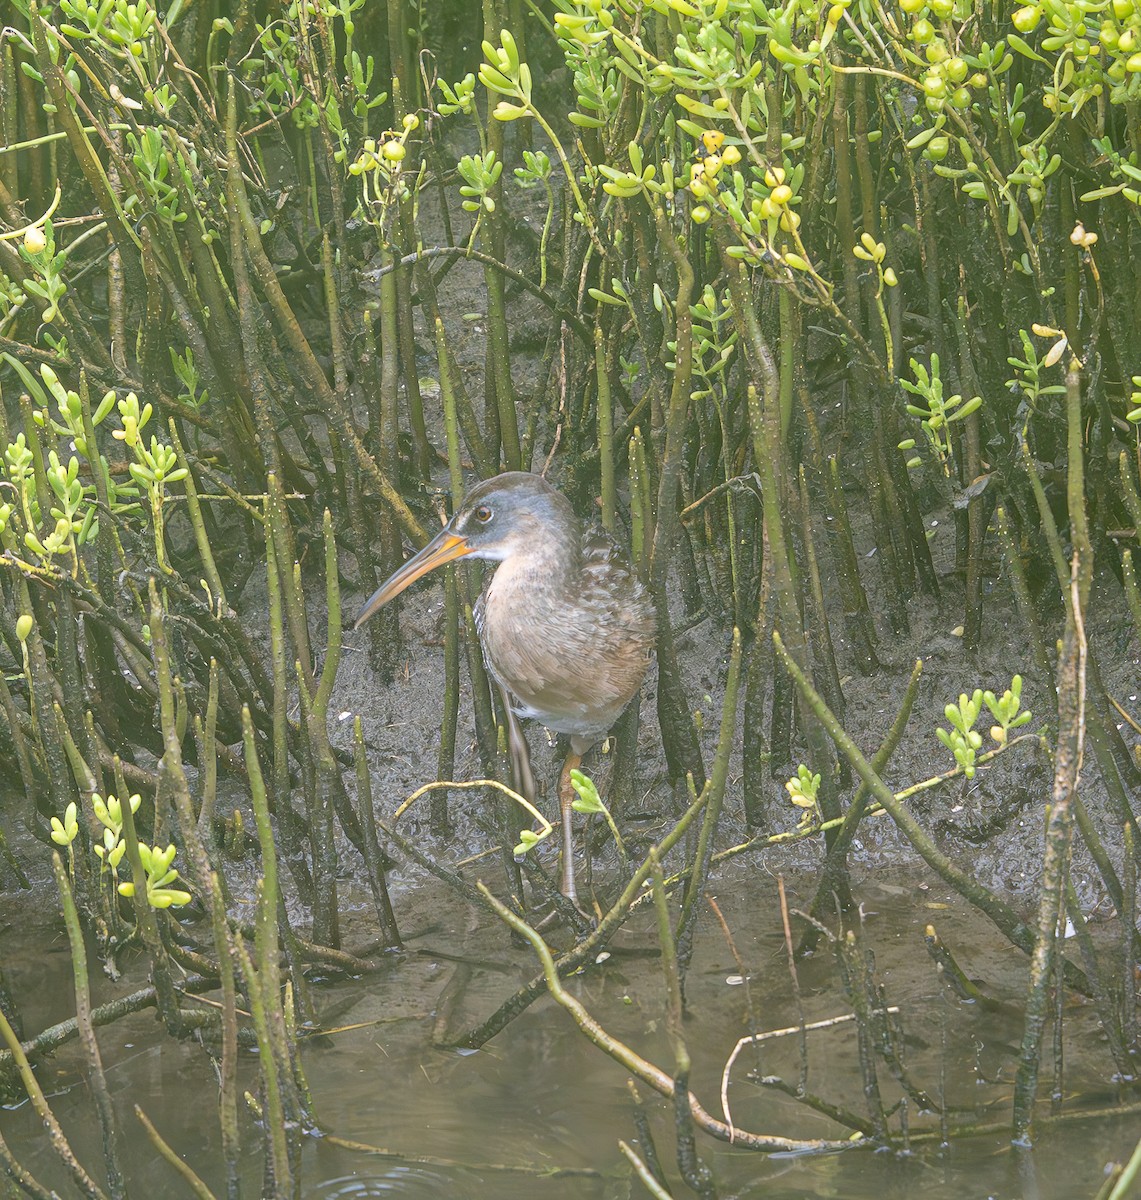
{"x": 538, "y": 1113}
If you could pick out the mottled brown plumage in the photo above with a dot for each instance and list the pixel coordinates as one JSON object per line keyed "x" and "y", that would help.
{"x": 566, "y": 626}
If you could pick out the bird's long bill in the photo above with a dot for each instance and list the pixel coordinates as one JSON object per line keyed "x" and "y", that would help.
{"x": 445, "y": 547}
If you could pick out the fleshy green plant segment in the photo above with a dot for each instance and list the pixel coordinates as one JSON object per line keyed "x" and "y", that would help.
{"x": 73, "y": 519}
{"x": 963, "y": 740}
{"x": 160, "y": 875}
{"x": 109, "y": 813}
{"x": 937, "y": 412}
{"x": 590, "y": 802}
{"x": 802, "y": 789}
{"x": 158, "y": 864}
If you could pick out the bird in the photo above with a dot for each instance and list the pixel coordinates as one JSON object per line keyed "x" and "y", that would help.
{"x": 566, "y": 625}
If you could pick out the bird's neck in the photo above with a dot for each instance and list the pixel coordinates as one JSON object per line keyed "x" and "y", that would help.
{"x": 543, "y": 571}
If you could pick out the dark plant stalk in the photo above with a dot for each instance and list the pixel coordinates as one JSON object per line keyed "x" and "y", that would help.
{"x": 951, "y": 973}
{"x": 1132, "y": 592}
{"x": 289, "y": 825}
{"x": 452, "y": 389}
{"x": 789, "y": 344}
{"x": 854, "y": 970}
{"x": 1048, "y": 526}
{"x": 976, "y": 511}
{"x": 319, "y": 819}
{"x": 228, "y": 1068}
{"x": 422, "y": 448}
{"x": 374, "y": 859}
{"x": 819, "y": 632}
{"x": 641, "y": 512}
{"x": 327, "y": 930}
{"x": 81, "y": 772}
{"x": 194, "y": 512}
{"x": 826, "y": 898}
{"x": 756, "y": 751}
{"x": 649, "y": 1152}
{"x": 484, "y": 708}
{"x": 292, "y": 598}
{"x": 100, "y": 747}
{"x": 328, "y": 678}
{"x": 147, "y": 926}
{"x": 499, "y": 361}
{"x": 206, "y": 736}
{"x": 41, "y": 688}
{"x": 96, "y": 1079}
{"x": 687, "y": 923}
{"x": 446, "y": 759}
{"x": 605, "y": 434}
{"x": 810, "y": 1100}
{"x": 857, "y": 613}
{"x": 262, "y": 980}
{"x": 1022, "y": 598}
{"x": 683, "y": 751}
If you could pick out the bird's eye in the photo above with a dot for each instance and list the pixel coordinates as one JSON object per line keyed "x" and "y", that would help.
{"x": 483, "y": 514}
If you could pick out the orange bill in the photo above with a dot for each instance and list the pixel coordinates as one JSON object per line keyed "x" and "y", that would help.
{"x": 445, "y": 547}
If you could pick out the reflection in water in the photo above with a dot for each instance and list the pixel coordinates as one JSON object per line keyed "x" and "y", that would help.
{"x": 397, "y": 1180}
{"x": 537, "y": 1114}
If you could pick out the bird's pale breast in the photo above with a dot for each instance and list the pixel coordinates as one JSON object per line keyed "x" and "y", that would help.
{"x": 573, "y": 652}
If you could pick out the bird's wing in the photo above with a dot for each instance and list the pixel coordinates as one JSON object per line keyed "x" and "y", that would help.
{"x": 611, "y": 586}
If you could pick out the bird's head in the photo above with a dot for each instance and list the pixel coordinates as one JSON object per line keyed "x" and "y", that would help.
{"x": 514, "y": 513}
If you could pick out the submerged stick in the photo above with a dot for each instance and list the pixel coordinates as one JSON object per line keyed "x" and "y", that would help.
{"x": 587, "y": 949}
{"x": 189, "y": 1176}
{"x": 639, "y": 1067}
{"x": 59, "y": 1142}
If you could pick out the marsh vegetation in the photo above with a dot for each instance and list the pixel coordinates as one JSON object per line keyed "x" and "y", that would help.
{"x": 828, "y": 312}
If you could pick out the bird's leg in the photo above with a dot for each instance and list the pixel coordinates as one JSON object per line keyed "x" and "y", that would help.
{"x": 566, "y": 799}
